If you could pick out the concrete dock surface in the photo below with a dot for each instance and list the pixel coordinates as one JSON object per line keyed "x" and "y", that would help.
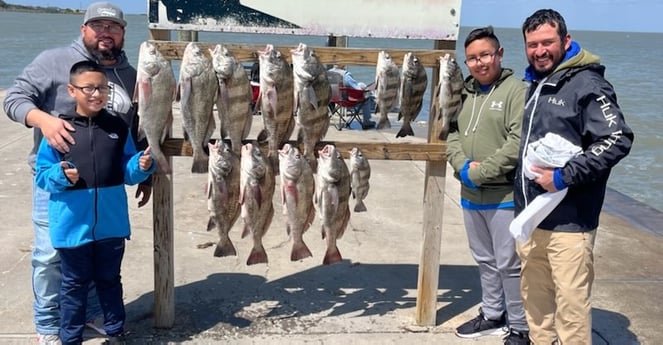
{"x": 369, "y": 298}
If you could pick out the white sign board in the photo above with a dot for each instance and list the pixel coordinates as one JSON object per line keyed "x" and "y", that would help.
{"x": 418, "y": 19}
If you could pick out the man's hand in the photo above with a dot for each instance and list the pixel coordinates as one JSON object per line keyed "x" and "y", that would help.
{"x": 55, "y": 130}
{"x": 143, "y": 193}
{"x": 545, "y": 178}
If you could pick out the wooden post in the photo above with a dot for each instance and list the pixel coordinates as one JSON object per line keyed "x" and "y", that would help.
{"x": 429, "y": 263}
{"x": 163, "y": 236}
{"x": 187, "y": 36}
{"x": 164, "y": 272}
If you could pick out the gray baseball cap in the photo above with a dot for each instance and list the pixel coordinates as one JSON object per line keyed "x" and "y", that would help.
{"x": 104, "y": 11}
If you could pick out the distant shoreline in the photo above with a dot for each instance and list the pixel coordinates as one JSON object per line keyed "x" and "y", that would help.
{"x": 5, "y": 7}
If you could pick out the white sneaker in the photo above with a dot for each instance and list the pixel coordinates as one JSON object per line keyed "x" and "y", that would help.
{"x": 48, "y": 339}
{"x": 97, "y": 325}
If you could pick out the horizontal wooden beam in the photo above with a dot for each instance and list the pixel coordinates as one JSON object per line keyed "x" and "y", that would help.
{"x": 371, "y": 150}
{"x": 173, "y": 50}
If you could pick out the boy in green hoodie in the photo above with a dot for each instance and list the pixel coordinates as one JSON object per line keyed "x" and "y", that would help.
{"x": 482, "y": 147}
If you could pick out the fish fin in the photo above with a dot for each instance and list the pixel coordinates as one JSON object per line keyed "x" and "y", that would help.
{"x": 210, "y": 185}
{"x": 241, "y": 195}
{"x": 257, "y": 256}
{"x": 200, "y": 165}
{"x": 344, "y": 223}
{"x": 312, "y": 98}
{"x": 210, "y": 224}
{"x": 257, "y": 194}
{"x": 300, "y": 251}
{"x": 313, "y": 163}
{"x": 384, "y": 123}
{"x": 178, "y": 92}
{"x": 435, "y": 108}
{"x": 405, "y": 130}
{"x": 283, "y": 202}
{"x": 246, "y": 231}
{"x": 332, "y": 256}
{"x": 263, "y": 136}
{"x": 225, "y": 248}
{"x": 309, "y": 218}
{"x": 360, "y": 206}
{"x": 272, "y": 97}
{"x": 168, "y": 126}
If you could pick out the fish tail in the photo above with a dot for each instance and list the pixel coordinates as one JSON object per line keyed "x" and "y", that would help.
{"x": 405, "y": 130}
{"x": 384, "y": 123}
{"x": 332, "y": 256}
{"x": 360, "y": 206}
{"x": 225, "y": 248}
{"x": 200, "y": 164}
{"x": 257, "y": 256}
{"x": 313, "y": 162}
{"x": 162, "y": 165}
{"x": 300, "y": 251}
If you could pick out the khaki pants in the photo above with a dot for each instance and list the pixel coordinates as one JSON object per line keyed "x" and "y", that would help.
{"x": 556, "y": 283}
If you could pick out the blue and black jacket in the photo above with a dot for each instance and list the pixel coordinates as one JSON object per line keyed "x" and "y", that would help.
{"x": 94, "y": 208}
{"x": 576, "y": 102}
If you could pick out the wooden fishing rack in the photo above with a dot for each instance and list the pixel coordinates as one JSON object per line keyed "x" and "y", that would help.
{"x": 433, "y": 152}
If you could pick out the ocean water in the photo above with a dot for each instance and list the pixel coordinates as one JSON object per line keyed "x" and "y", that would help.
{"x": 633, "y": 62}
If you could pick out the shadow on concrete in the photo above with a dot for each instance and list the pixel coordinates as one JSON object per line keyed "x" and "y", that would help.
{"x": 231, "y": 303}
{"x": 611, "y": 328}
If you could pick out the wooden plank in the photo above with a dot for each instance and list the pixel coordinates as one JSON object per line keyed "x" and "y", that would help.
{"x": 173, "y": 50}
{"x": 429, "y": 263}
{"x": 371, "y": 150}
{"x": 163, "y": 233}
{"x": 157, "y": 34}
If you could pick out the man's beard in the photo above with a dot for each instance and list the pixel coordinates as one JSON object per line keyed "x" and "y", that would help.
{"x": 105, "y": 55}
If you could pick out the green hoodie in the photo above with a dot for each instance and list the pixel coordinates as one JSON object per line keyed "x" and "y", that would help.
{"x": 488, "y": 132}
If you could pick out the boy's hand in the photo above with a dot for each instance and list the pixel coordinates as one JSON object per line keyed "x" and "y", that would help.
{"x": 145, "y": 160}
{"x": 71, "y": 173}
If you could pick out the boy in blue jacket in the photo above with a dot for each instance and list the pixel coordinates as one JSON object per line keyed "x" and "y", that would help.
{"x": 88, "y": 211}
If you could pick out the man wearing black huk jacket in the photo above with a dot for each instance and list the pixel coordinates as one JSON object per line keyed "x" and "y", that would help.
{"x": 570, "y": 97}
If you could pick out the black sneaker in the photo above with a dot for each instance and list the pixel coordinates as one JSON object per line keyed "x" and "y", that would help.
{"x": 517, "y": 338}
{"x": 480, "y": 326}
{"x": 368, "y": 125}
{"x": 119, "y": 339}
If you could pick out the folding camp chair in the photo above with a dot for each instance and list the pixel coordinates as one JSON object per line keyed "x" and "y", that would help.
{"x": 346, "y": 103}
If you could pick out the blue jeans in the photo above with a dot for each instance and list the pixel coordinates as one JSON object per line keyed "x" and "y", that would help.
{"x": 366, "y": 108}
{"x": 46, "y": 276}
{"x": 97, "y": 262}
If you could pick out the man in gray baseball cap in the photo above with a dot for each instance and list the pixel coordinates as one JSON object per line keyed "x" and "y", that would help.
{"x": 104, "y": 11}
{"x": 38, "y": 95}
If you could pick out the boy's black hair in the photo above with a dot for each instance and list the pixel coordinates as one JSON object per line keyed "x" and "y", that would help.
{"x": 545, "y": 16}
{"x": 481, "y": 33}
{"x": 85, "y": 66}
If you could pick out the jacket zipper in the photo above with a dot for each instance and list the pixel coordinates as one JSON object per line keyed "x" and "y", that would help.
{"x": 94, "y": 173}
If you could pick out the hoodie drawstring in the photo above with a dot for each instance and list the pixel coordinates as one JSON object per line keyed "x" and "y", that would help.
{"x": 474, "y": 100}
{"x": 534, "y": 98}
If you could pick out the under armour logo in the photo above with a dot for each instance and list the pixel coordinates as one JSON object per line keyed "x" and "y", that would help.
{"x": 495, "y": 105}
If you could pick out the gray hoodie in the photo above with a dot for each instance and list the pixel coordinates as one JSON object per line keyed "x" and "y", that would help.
{"x": 43, "y": 85}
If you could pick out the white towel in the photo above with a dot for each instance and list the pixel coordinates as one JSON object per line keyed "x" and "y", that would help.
{"x": 551, "y": 151}
{"x": 522, "y": 226}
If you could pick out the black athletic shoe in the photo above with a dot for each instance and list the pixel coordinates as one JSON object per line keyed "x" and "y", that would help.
{"x": 368, "y": 125}
{"x": 480, "y": 326}
{"x": 517, "y": 338}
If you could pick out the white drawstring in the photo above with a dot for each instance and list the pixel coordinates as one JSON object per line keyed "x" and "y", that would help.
{"x": 534, "y": 98}
{"x": 474, "y": 99}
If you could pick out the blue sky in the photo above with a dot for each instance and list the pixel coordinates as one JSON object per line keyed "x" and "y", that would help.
{"x": 600, "y": 15}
